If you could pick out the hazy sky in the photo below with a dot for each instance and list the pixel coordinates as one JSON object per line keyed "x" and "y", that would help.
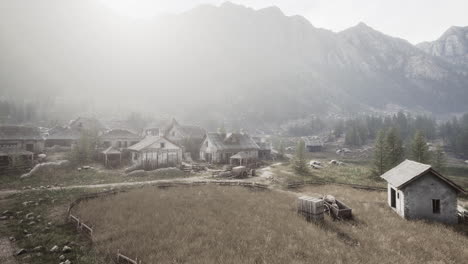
{"x": 413, "y": 20}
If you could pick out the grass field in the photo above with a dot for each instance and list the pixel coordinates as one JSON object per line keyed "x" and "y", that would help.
{"x": 70, "y": 176}
{"x": 47, "y": 227}
{"x": 213, "y": 224}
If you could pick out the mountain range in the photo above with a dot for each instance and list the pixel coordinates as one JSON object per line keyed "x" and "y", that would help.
{"x": 224, "y": 61}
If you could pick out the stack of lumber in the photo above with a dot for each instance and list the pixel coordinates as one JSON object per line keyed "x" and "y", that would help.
{"x": 311, "y": 208}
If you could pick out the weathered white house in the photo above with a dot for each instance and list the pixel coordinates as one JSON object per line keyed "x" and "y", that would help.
{"x": 231, "y": 148}
{"x": 156, "y": 152}
{"x": 417, "y": 191}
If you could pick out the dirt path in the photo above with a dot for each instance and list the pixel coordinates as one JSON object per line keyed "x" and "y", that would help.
{"x": 107, "y": 185}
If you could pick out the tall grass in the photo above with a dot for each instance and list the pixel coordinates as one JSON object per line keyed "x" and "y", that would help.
{"x": 211, "y": 224}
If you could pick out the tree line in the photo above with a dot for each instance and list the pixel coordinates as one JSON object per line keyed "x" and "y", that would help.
{"x": 359, "y": 131}
{"x": 389, "y": 151}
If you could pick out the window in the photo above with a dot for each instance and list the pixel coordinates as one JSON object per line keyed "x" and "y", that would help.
{"x": 436, "y": 206}
{"x": 398, "y": 195}
{"x": 163, "y": 144}
{"x": 30, "y": 147}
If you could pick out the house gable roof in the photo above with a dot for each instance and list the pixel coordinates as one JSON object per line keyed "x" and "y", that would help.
{"x": 188, "y": 131}
{"x": 149, "y": 143}
{"x": 110, "y": 151}
{"x": 12, "y": 132}
{"x": 408, "y": 171}
{"x": 64, "y": 134}
{"x": 226, "y": 143}
{"x": 120, "y": 134}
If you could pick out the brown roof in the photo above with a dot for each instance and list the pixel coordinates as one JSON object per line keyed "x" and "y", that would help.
{"x": 13, "y": 132}
{"x": 408, "y": 171}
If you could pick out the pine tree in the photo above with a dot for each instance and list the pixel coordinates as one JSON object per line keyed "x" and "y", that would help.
{"x": 419, "y": 150}
{"x": 393, "y": 148}
{"x": 300, "y": 164}
{"x": 380, "y": 155}
{"x": 439, "y": 159}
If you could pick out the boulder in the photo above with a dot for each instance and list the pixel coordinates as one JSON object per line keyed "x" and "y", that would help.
{"x": 20, "y": 252}
{"x": 54, "y": 249}
{"x": 38, "y": 249}
{"x": 66, "y": 249}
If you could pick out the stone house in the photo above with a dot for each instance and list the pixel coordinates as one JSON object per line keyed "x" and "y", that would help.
{"x": 155, "y": 152}
{"x": 220, "y": 148}
{"x": 417, "y": 191}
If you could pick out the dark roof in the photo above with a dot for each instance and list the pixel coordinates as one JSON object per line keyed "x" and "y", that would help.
{"x": 232, "y": 142}
{"x": 120, "y": 134}
{"x": 14, "y": 151}
{"x": 408, "y": 171}
{"x": 64, "y": 134}
{"x": 13, "y": 132}
{"x": 189, "y": 131}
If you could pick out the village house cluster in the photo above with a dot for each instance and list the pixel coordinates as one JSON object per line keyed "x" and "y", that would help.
{"x": 153, "y": 147}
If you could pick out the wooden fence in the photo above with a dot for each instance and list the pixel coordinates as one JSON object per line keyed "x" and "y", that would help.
{"x": 298, "y": 184}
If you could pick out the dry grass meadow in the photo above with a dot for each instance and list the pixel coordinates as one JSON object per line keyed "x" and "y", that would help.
{"x": 215, "y": 224}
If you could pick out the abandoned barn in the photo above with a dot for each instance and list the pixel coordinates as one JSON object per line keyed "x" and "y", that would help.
{"x": 417, "y": 191}
{"x": 220, "y": 148}
{"x": 18, "y": 144}
{"x": 155, "y": 152}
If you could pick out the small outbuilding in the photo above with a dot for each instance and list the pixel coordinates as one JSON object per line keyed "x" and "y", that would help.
{"x": 155, "y": 152}
{"x": 313, "y": 144}
{"x": 417, "y": 191}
